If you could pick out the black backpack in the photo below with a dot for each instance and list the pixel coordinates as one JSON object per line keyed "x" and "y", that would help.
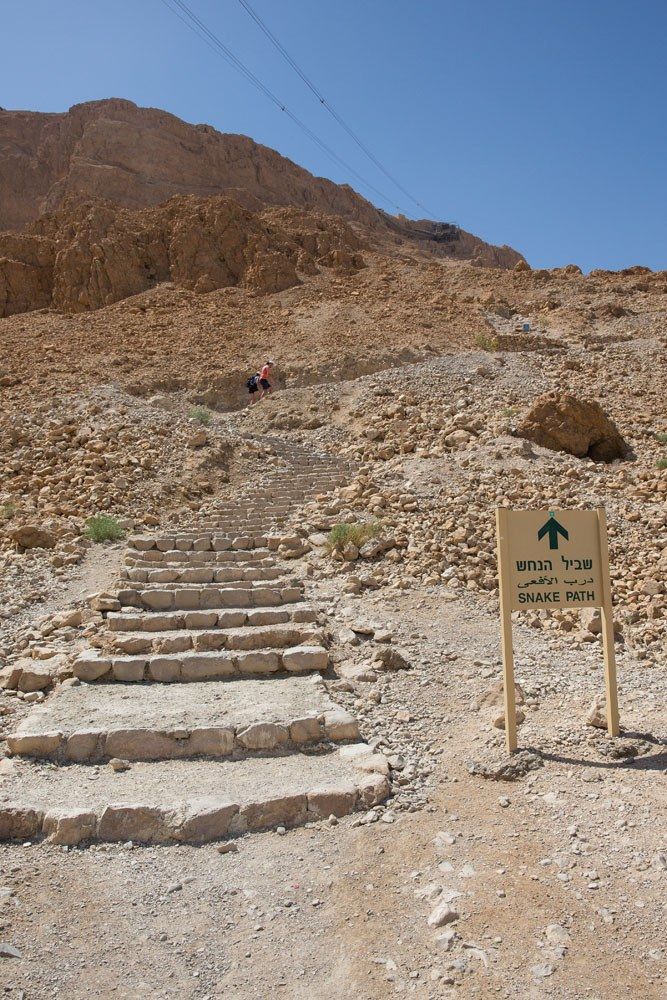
{"x": 252, "y": 382}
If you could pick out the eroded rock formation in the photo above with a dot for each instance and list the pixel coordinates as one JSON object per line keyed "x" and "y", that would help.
{"x": 138, "y": 158}
{"x": 92, "y": 254}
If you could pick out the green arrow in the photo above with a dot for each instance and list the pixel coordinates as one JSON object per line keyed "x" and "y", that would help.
{"x": 553, "y": 528}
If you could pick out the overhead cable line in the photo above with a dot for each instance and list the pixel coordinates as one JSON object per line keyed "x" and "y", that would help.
{"x": 325, "y": 103}
{"x": 190, "y": 19}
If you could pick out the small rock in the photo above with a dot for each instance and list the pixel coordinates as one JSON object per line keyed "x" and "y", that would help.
{"x": 597, "y": 713}
{"x": 116, "y": 764}
{"x": 442, "y": 841}
{"x": 9, "y": 951}
{"x": 391, "y": 658}
{"x": 442, "y": 914}
{"x": 227, "y": 847}
{"x": 557, "y": 935}
{"x": 34, "y": 696}
{"x": 446, "y": 939}
{"x": 542, "y": 971}
{"x": 499, "y": 720}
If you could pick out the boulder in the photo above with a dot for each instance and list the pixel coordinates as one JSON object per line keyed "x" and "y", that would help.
{"x": 580, "y": 427}
{"x": 31, "y": 536}
{"x": 35, "y": 675}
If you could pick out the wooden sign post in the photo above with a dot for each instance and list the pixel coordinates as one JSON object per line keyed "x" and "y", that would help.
{"x": 554, "y": 559}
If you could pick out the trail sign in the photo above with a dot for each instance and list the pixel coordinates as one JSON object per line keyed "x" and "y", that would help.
{"x": 554, "y": 559}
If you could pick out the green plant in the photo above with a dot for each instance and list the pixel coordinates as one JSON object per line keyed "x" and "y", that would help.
{"x": 103, "y": 528}
{"x": 662, "y": 438}
{"x": 201, "y": 415}
{"x": 356, "y": 533}
{"x": 8, "y": 510}
{"x": 662, "y": 463}
{"x": 486, "y": 343}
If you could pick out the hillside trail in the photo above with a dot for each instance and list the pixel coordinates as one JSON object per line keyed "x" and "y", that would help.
{"x": 242, "y": 843}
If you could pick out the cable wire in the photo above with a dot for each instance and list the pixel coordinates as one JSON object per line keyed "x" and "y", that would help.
{"x": 190, "y": 19}
{"x": 325, "y": 103}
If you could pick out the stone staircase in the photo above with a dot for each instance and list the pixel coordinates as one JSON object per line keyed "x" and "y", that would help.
{"x": 204, "y": 713}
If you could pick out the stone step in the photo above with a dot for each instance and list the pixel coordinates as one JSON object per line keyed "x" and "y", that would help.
{"x": 259, "y": 505}
{"x": 167, "y": 621}
{"x": 202, "y": 541}
{"x": 232, "y": 522}
{"x": 193, "y": 598}
{"x": 200, "y": 665}
{"x": 243, "y": 526}
{"x": 202, "y": 574}
{"x": 258, "y": 529}
{"x": 267, "y": 504}
{"x": 214, "y": 640}
{"x": 186, "y": 801}
{"x": 178, "y": 558}
{"x": 93, "y": 722}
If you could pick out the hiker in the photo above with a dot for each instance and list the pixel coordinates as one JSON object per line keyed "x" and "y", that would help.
{"x": 265, "y": 385}
{"x": 253, "y": 386}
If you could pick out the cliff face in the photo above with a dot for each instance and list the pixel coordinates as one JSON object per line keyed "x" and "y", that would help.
{"x": 92, "y": 254}
{"x": 109, "y": 199}
{"x": 139, "y": 157}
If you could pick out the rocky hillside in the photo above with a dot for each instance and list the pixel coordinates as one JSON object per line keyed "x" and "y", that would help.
{"x": 92, "y": 254}
{"x": 141, "y": 157}
{"x": 138, "y": 157}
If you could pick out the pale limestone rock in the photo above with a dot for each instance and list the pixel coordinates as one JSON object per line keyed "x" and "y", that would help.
{"x": 326, "y": 802}
{"x": 340, "y": 725}
{"x": 69, "y": 826}
{"x": 597, "y": 713}
{"x": 90, "y": 667}
{"x": 443, "y": 913}
{"x": 262, "y": 736}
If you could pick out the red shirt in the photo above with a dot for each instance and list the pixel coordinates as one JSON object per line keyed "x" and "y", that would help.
{"x": 265, "y": 372}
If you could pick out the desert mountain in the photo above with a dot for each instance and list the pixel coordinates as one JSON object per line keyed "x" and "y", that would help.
{"x": 140, "y": 157}
{"x": 63, "y": 177}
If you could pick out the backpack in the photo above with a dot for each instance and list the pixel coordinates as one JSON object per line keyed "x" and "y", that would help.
{"x": 252, "y": 382}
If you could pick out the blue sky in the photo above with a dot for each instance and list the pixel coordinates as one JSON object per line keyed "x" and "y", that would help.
{"x": 542, "y": 125}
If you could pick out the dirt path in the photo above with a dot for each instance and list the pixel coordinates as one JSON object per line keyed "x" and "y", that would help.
{"x": 560, "y": 873}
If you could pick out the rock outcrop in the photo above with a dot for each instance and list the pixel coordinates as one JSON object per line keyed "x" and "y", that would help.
{"x": 562, "y": 422}
{"x": 92, "y": 254}
{"x": 141, "y": 157}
